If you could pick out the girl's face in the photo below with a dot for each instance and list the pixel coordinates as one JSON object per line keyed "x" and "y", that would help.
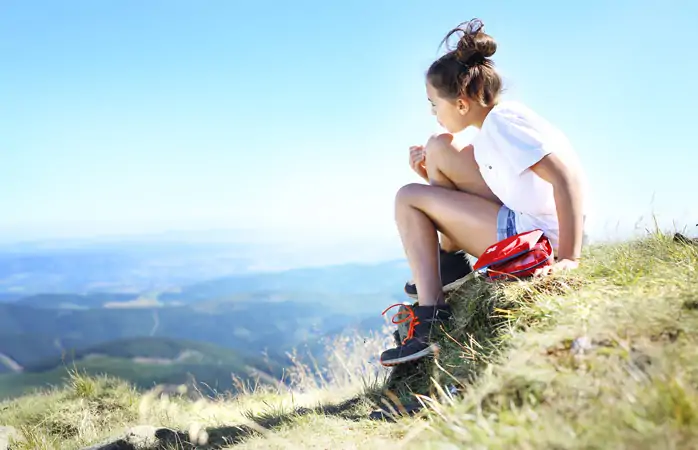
{"x": 451, "y": 114}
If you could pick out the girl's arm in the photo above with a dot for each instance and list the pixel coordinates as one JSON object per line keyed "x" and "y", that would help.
{"x": 568, "y": 201}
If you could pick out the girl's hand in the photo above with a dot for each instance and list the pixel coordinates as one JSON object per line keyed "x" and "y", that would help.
{"x": 418, "y": 161}
{"x": 561, "y": 265}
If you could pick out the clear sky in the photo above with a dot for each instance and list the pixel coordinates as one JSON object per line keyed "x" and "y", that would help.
{"x": 131, "y": 116}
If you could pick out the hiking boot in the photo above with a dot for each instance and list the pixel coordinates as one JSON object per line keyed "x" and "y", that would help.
{"x": 453, "y": 267}
{"x": 418, "y": 343}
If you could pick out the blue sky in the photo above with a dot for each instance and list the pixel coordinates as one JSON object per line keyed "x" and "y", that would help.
{"x": 130, "y": 116}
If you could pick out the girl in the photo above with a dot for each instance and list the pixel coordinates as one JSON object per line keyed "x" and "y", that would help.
{"x": 519, "y": 173}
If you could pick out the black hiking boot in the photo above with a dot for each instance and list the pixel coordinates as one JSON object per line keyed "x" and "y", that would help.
{"x": 418, "y": 343}
{"x": 453, "y": 267}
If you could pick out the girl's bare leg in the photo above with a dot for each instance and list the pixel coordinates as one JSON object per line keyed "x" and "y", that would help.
{"x": 452, "y": 169}
{"x": 458, "y": 203}
{"x": 468, "y": 221}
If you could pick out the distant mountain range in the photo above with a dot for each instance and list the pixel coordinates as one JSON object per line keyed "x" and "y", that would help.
{"x": 333, "y": 280}
{"x": 146, "y": 363}
{"x": 161, "y": 262}
{"x": 96, "y": 303}
{"x": 112, "y": 268}
{"x": 28, "y": 334}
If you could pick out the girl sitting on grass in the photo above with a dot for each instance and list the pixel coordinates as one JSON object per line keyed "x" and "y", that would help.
{"x": 520, "y": 173}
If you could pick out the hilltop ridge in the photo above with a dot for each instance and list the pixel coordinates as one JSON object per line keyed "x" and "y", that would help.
{"x": 604, "y": 357}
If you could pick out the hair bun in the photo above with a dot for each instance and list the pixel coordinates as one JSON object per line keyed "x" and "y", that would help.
{"x": 474, "y": 45}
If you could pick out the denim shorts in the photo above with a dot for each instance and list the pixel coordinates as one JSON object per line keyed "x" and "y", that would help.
{"x": 506, "y": 223}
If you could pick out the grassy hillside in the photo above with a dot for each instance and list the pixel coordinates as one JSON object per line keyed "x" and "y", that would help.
{"x": 31, "y": 335}
{"x": 8, "y": 365}
{"x": 605, "y": 357}
{"x": 26, "y": 348}
{"x": 155, "y": 348}
{"x": 145, "y": 363}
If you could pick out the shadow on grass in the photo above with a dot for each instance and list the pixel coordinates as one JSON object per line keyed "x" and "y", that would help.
{"x": 355, "y": 409}
{"x": 226, "y": 436}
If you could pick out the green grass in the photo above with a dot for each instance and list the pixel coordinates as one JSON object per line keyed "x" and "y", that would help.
{"x": 609, "y": 363}
{"x": 87, "y": 408}
{"x": 604, "y": 357}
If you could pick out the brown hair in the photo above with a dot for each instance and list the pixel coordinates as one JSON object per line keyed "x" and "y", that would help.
{"x": 467, "y": 70}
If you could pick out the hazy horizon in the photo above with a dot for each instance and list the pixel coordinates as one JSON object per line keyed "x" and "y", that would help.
{"x": 136, "y": 118}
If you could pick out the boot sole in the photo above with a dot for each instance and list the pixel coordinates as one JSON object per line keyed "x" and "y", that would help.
{"x": 431, "y": 350}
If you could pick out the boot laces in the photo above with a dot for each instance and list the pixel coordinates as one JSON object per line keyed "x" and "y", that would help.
{"x": 410, "y": 316}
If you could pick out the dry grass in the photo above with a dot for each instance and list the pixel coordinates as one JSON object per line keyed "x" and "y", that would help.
{"x": 606, "y": 357}
{"x": 89, "y": 410}
{"x": 602, "y": 359}
{"x": 79, "y": 413}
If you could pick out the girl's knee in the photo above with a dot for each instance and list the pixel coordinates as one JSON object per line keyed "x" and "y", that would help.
{"x": 437, "y": 145}
{"x": 406, "y": 193}
{"x": 410, "y": 193}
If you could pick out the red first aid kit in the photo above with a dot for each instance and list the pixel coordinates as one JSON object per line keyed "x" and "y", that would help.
{"x": 518, "y": 256}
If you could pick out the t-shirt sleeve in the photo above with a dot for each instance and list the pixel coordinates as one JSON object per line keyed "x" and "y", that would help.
{"x": 522, "y": 142}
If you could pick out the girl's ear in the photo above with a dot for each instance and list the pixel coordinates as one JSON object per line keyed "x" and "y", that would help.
{"x": 463, "y": 106}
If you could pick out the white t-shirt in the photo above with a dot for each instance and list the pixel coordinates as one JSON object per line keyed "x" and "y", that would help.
{"x": 511, "y": 140}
